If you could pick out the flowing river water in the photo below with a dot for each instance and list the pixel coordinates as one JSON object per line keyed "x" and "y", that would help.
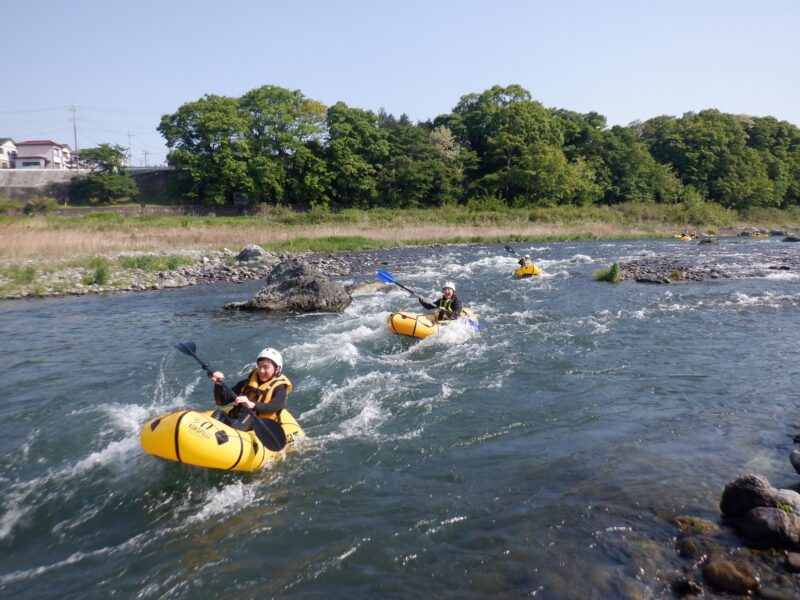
{"x": 541, "y": 457}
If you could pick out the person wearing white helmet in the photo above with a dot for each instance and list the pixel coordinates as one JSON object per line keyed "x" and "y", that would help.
{"x": 264, "y": 391}
{"x": 448, "y": 307}
{"x": 525, "y": 261}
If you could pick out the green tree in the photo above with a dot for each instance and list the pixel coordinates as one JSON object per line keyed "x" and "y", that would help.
{"x": 280, "y": 126}
{"x": 708, "y": 151}
{"x": 207, "y": 141}
{"x": 778, "y": 145}
{"x": 518, "y": 145}
{"x": 422, "y": 166}
{"x": 108, "y": 181}
{"x": 355, "y": 152}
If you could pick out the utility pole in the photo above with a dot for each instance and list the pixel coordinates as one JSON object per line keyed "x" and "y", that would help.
{"x": 145, "y": 157}
{"x": 130, "y": 154}
{"x": 75, "y": 130}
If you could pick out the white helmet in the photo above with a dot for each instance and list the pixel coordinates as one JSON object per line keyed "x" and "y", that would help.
{"x": 527, "y": 256}
{"x": 272, "y": 355}
{"x": 451, "y": 285}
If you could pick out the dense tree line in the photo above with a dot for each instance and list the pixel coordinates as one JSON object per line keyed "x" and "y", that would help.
{"x": 497, "y": 148}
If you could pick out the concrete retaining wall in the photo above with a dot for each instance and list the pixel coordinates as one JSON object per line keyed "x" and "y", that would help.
{"x": 27, "y": 184}
{"x": 32, "y": 184}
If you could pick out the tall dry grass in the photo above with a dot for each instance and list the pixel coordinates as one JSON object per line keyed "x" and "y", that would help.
{"x": 34, "y": 239}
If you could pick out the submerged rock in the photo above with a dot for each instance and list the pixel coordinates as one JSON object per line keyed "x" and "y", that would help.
{"x": 730, "y": 576}
{"x": 794, "y": 458}
{"x": 294, "y": 286}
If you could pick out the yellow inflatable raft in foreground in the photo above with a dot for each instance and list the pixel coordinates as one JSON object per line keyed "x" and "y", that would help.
{"x": 195, "y": 438}
{"x": 421, "y": 326}
{"x": 527, "y": 270}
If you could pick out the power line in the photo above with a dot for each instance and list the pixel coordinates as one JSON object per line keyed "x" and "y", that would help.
{"x": 31, "y": 110}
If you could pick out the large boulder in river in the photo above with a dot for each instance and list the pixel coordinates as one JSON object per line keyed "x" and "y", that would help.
{"x": 753, "y": 491}
{"x": 294, "y": 286}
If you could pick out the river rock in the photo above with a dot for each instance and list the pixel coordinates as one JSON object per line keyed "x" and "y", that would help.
{"x": 686, "y": 587}
{"x": 794, "y": 458}
{"x": 771, "y": 527}
{"x": 730, "y": 576}
{"x": 713, "y": 241}
{"x": 294, "y": 286}
{"x": 252, "y": 252}
{"x": 791, "y": 238}
{"x": 689, "y": 524}
{"x": 753, "y": 491}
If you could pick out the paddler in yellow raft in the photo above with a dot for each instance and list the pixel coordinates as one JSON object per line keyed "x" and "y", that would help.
{"x": 448, "y": 307}
{"x": 243, "y": 438}
{"x": 264, "y": 391}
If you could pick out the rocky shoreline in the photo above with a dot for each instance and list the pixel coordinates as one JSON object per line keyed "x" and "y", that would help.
{"x": 708, "y": 263}
{"x": 667, "y": 268}
{"x": 209, "y": 266}
{"x": 252, "y": 262}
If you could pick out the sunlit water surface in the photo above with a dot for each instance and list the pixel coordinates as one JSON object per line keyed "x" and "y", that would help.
{"x": 543, "y": 456}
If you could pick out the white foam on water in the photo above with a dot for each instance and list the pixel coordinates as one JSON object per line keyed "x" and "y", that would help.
{"x": 329, "y": 350}
{"x": 224, "y": 501}
{"x": 20, "y": 497}
{"x": 363, "y": 425}
{"x": 353, "y": 392}
{"x": 104, "y": 553}
{"x": 581, "y": 259}
{"x": 765, "y": 299}
{"x": 783, "y": 275}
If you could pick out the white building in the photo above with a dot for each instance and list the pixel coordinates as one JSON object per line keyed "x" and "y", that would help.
{"x": 43, "y": 154}
{"x": 8, "y": 153}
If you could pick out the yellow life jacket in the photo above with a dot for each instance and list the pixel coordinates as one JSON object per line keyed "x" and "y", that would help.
{"x": 262, "y": 392}
{"x": 447, "y": 305}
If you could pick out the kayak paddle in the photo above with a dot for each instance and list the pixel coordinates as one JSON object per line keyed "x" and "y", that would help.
{"x": 387, "y": 277}
{"x": 510, "y": 249}
{"x": 269, "y": 432}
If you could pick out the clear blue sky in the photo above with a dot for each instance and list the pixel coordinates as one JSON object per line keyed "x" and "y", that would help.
{"x": 123, "y": 65}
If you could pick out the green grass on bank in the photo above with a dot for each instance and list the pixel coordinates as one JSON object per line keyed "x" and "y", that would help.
{"x": 700, "y": 215}
{"x": 646, "y": 220}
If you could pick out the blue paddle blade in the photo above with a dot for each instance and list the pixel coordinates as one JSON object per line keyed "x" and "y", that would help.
{"x": 385, "y": 276}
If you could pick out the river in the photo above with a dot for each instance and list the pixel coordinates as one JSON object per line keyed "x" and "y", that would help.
{"x": 543, "y": 456}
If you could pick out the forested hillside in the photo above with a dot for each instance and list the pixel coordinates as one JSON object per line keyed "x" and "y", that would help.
{"x": 499, "y": 148}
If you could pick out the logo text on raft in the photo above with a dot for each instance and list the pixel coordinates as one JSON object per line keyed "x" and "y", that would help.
{"x": 202, "y": 429}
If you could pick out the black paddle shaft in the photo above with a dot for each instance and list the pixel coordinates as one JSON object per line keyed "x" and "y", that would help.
{"x": 272, "y": 436}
